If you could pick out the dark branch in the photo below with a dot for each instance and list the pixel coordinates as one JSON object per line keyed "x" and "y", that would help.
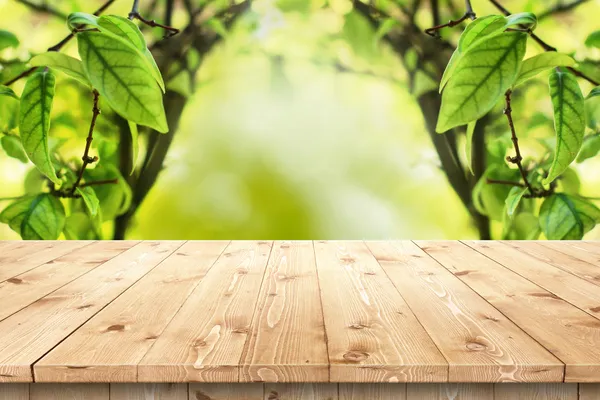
{"x": 44, "y": 8}
{"x": 469, "y": 14}
{"x": 135, "y": 14}
{"x": 58, "y": 46}
{"x": 98, "y": 183}
{"x": 560, "y": 8}
{"x": 87, "y": 159}
{"x": 503, "y": 182}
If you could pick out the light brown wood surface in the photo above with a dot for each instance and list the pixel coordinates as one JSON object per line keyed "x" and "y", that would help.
{"x": 400, "y": 317}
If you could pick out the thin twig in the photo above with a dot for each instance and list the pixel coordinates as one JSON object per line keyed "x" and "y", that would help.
{"x": 135, "y": 14}
{"x": 10, "y": 198}
{"x": 88, "y": 143}
{"x": 560, "y": 8}
{"x": 98, "y": 183}
{"x": 469, "y": 14}
{"x": 517, "y": 159}
{"x": 44, "y": 8}
{"x": 57, "y": 46}
{"x": 545, "y": 45}
{"x": 503, "y": 182}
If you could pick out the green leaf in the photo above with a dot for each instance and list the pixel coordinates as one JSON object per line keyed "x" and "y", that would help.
{"x": 121, "y": 75}
{"x": 590, "y": 147}
{"x": 514, "y": 198}
{"x": 468, "y": 145}
{"x": 34, "y": 120}
{"x": 527, "y": 19}
{"x": 40, "y": 217}
{"x": 135, "y": 145}
{"x": 6, "y": 91}
{"x": 34, "y": 181}
{"x": 593, "y": 40}
{"x": 79, "y": 226}
{"x": 489, "y": 199}
{"x": 63, "y": 63}
{"x": 385, "y": 27}
{"x": 594, "y": 93}
{"x": 125, "y": 29}
{"x": 569, "y": 121}
{"x": 477, "y": 30}
{"x": 114, "y": 199}
{"x": 526, "y": 226}
{"x": 90, "y": 199}
{"x": 74, "y": 20}
{"x": 534, "y": 65}
{"x": 8, "y": 39}
{"x": 480, "y": 79}
{"x": 564, "y": 217}
{"x": 13, "y": 148}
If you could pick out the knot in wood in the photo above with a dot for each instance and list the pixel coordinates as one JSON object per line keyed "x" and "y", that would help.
{"x": 356, "y": 356}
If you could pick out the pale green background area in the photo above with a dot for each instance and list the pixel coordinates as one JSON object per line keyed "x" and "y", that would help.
{"x": 295, "y": 149}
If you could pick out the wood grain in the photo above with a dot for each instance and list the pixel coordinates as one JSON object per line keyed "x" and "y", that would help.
{"x": 287, "y": 342}
{"x": 372, "y": 334}
{"x": 14, "y": 391}
{"x": 371, "y": 391}
{"x": 480, "y": 344}
{"x": 451, "y": 391}
{"x": 558, "y": 391}
{"x": 29, "y": 334}
{"x": 577, "y": 291}
{"x": 588, "y": 251}
{"x": 148, "y": 391}
{"x": 21, "y": 290}
{"x": 301, "y": 391}
{"x": 220, "y": 391}
{"x": 109, "y": 346}
{"x": 56, "y": 391}
{"x": 568, "y": 332}
{"x": 20, "y": 257}
{"x": 205, "y": 340}
{"x": 578, "y": 258}
{"x": 589, "y": 391}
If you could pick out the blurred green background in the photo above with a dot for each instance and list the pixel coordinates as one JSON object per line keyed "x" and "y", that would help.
{"x": 301, "y": 126}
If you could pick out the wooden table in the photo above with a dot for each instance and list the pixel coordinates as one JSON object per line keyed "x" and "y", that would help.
{"x": 299, "y": 320}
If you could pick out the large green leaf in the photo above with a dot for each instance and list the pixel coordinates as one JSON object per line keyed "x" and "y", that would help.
{"x": 90, "y": 199}
{"x": 40, "y": 217}
{"x": 590, "y": 147}
{"x": 121, "y": 74}
{"x": 542, "y": 62}
{"x": 13, "y": 148}
{"x": 63, "y": 63}
{"x": 125, "y": 29}
{"x": 6, "y": 91}
{"x": 115, "y": 199}
{"x": 481, "y": 78}
{"x": 569, "y": 121}
{"x": 477, "y": 30}
{"x": 564, "y": 217}
{"x": 7, "y": 39}
{"x": 34, "y": 120}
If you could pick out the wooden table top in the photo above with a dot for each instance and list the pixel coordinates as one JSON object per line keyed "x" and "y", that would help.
{"x": 323, "y": 311}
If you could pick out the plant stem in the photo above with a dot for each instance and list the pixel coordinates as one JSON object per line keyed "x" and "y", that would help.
{"x": 517, "y": 159}
{"x": 135, "y": 14}
{"x": 102, "y": 182}
{"x": 57, "y": 46}
{"x": 44, "y": 8}
{"x": 469, "y": 14}
{"x": 88, "y": 143}
{"x": 503, "y": 182}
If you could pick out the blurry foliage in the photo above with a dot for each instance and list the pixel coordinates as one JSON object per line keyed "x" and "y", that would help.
{"x": 240, "y": 143}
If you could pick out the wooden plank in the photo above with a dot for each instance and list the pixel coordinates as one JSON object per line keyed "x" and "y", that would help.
{"x": 287, "y": 342}
{"x": 26, "y": 255}
{"x": 205, "y": 340}
{"x": 542, "y": 391}
{"x": 57, "y": 391}
{"x": 226, "y": 391}
{"x": 565, "y": 285}
{"x": 29, "y": 334}
{"x": 480, "y": 344}
{"x": 148, "y": 391}
{"x": 372, "y": 334}
{"x": 569, "y": 333}
{"x": 20, "y": 291}
{"x": 585, "y": 250}
{"x": 372, "y": 391}
{"x": 14, "y": 391}
{"x": 451, "y": 391}
{"x": 301, "y": 391}
{"x": 589, "y": 391}
{"x": 126, "y": 329}
{"x": 566, "y": 262}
